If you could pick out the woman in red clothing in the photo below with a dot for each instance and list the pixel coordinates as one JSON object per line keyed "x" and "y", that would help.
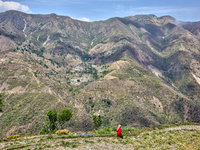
{"x": 119, "y": 132}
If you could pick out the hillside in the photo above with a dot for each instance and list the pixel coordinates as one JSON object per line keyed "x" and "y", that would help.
{"x": 137, "y": 71}
{"x": 178, "y": 137}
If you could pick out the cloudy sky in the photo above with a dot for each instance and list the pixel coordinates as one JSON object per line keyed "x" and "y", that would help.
{"x": 95, "y": 10}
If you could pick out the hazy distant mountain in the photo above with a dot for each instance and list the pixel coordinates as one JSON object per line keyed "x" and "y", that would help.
{"x": 137, "y": 71}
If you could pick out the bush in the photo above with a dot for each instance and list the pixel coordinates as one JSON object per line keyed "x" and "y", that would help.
{"x": 64, "y": 131}
{"x": 107, "y": 101}
{"x": 97, "y": 121}
{"x": 49, "y": 136}
{"x": 55, "y": 120}
{"x": 13, "y": 137}
{"x": 54, "y": 131}
{"x": 106, "y": 130}
{"x": 44, "y": 130}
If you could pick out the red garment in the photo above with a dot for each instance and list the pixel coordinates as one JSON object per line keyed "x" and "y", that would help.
{"x": 119, "y": 132}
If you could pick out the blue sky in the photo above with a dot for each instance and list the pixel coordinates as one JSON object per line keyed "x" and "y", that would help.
{"x": 95, "y": 10}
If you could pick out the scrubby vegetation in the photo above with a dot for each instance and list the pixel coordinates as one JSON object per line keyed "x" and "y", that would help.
{"x": 1, "y": 103}
{"x": 97, "y": 121}
{"x": 167, "y": 137}
{"x": 13, "y": 137}
{"x": 55, "y": 120}
{"x": 140, "y": 71}
{"x": 65, "y": 131}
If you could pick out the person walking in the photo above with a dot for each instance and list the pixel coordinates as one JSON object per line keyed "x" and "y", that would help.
{"x": 119, "y": 132}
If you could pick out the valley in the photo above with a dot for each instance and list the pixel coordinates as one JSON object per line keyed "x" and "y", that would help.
{"x": 136, "y": 71}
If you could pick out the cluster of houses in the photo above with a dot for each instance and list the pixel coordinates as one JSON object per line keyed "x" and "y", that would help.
{"x": 77, "y": 81}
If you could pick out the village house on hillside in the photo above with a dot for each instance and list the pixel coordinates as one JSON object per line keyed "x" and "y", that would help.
{"x": 79, "y": 68}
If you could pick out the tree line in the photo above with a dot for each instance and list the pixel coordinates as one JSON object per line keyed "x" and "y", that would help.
{"x": 56, "y": 121}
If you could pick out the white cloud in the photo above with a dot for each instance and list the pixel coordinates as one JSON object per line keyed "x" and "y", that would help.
{"x": 83, "y": 19}
{"x": 154, "y": 10}
{"x": 10, "y": 5}
{"x": 118, "y": 6}
{"x": 162, "y": 10}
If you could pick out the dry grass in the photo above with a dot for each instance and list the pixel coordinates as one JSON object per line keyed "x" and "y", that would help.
{"x": 157, "y": 139}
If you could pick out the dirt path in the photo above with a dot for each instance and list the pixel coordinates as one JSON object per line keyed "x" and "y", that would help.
{"x": 38, "y": 82}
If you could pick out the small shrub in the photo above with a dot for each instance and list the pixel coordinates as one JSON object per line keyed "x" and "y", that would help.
{"x": 49, "y": 136}
{"x": 86, "y": 141}
{"x": 107, "y": 101}
{"x": 65, "y": 131}
{"x": 107, "y": 131}
{"x": 97, "y": 121}
{"x": 74, "y": 146}
{"x": 54, "y": 131}
{"x": 44, "y": 130}
{"x": 13, "y": 137}
{"x": 63, "y": 143}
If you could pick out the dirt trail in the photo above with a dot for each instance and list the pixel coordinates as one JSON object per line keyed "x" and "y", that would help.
{"x": 38, "y": 82}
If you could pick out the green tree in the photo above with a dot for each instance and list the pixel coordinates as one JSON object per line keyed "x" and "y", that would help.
{"x": 55, "y": 120}
{"x": 97, "y": 121}
{"x": 63, "y": 116}
{"x": 51, "y": 119}
{"x": 1, "y": 103}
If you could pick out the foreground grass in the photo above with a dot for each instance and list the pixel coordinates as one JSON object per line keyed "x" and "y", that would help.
{"x": 176, "y": 139}
{"x": 185, "y": 138}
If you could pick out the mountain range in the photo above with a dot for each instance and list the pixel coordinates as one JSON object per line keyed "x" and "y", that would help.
{"x": 139, "y": 70}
